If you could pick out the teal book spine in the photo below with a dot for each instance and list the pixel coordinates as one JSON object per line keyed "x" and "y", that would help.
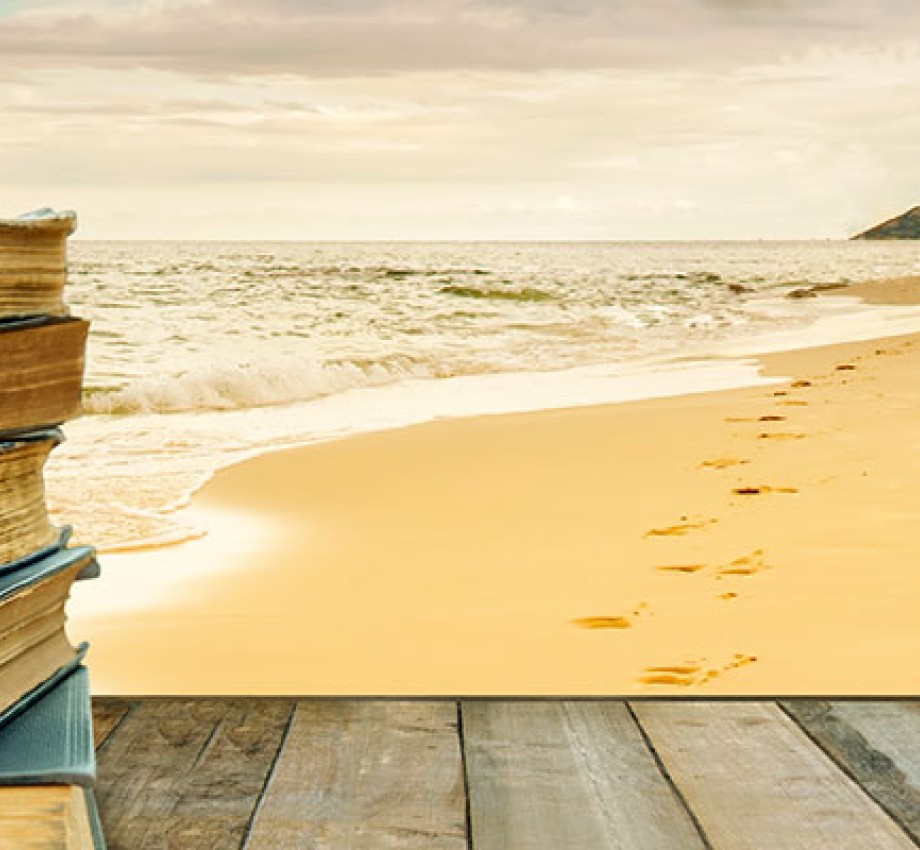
{"x": 50, "y": 742}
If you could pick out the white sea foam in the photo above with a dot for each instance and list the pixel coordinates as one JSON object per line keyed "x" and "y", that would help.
{"x": 238, "y": 387}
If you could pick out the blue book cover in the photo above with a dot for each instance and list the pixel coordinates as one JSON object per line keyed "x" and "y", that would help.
{"x": 34, "y": 571}
{"x": 63, "y": 539}
{"x": 40, "y": 659}
{"x": 24, "y": 702}
{"x": 51, "y": 742}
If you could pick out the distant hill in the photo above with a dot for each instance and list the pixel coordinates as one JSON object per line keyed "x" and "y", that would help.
{"x": 906, "y": 226}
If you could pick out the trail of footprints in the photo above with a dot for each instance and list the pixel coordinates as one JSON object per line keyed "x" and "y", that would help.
{"x": 696, "y": 671}
{"x": 745, "y": 565}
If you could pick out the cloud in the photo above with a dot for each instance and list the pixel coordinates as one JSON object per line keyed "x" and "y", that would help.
{"x": 461, "y": 118}
{"x": 367, "y": 37}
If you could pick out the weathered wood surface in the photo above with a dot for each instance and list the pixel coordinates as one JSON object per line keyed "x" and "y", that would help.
{"x": 567, "y": 774}
{"x": 877, "y": 743}
{"x": 755, "y": 781}
{"x": 366, "y": 775}
{"x": 107, "y": 714}
{"x": 187, "y": 774}
{"x": 272, "y": 774}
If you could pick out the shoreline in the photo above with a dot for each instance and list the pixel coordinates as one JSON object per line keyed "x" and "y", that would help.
{"x": 706, "y": 367}
{"x": 692, "y": 609}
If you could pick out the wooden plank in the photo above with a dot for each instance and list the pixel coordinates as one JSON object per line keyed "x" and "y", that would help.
{"x": 567, "y": 774}
{"x": 878, "y": 743}
{"x": 107, "y": 714}
{"x": 754, "y": 780}
{"x": 188, "y": 773}
{"x": 366, "y": 775}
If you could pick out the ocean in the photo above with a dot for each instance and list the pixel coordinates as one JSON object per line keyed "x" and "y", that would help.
{"x": 204, "y": 353}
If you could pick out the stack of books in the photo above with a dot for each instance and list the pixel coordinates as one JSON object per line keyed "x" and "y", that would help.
{"x": 47, "y": 762}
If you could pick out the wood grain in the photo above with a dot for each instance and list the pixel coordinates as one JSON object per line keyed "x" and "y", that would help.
{"x": 186, "y": 774}
{"x": 107, "y": 714}
{"x": 878, "y": 743}
{"x": 366, "y": 775}
{"x": 567, "y": 775}
{"x": 755, "y": 781}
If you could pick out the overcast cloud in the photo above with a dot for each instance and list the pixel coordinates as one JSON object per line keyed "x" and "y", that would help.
{"x": 452, "y": 119}
{"x": 323, "y": 37}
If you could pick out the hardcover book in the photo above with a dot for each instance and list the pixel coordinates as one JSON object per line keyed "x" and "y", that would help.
{"x": 42, "y": 375}
{"x": 33, "y": 643}
{"x": 49, "y": 817}
{"x": 24, "y": 525}
{"x": 33, "y": 263}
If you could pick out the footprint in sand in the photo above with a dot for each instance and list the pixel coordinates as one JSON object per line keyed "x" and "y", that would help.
{"x": 681, "y": 568}
{"x": 602, "y": 623}
{"x": 672, "y": 674}
{"x": 762, "y": 489}
{"x": 800, "y": 384}
{"x": 746, "y": 565}
{"x": 767, "y": 417}
{"x": 845, "y": 367}
{"x": 727, "y": 596}
{"x": 723, "y": 462}
{"x": 680, "y": 529}
{"x": 689, "y": 674}
{"x": 781, "y": 435}
{"x": 611, "y": 622}
{"x": 794, "y": 402}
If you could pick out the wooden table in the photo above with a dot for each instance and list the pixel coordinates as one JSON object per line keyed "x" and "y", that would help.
{"x": 344, "y": 774}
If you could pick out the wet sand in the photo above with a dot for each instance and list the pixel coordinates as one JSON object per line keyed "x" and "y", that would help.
{"x": 756, "y": 541}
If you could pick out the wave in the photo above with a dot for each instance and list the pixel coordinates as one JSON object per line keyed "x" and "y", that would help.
{"x": 239, "y": 387}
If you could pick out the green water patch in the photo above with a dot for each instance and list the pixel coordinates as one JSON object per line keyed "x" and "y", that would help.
{"x": 525, "y": 295}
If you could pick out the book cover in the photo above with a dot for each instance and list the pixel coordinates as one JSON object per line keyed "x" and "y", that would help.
{"x": 42, "y": 375}
{"x": 51, "y": 742}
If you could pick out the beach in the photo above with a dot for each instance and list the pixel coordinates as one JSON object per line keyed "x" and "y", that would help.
{"x": 751, "y": 541}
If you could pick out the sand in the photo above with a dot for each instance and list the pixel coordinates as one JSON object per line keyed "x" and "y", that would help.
{"x": 756, "y": 541}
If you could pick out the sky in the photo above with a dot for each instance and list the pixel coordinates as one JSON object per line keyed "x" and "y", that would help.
{"x": 461, "y": 119}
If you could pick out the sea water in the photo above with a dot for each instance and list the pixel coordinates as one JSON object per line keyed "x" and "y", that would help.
{"x": 205, "y": 353}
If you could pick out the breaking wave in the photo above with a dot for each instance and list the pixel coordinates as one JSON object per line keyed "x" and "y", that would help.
{"x": 243, "y": 386}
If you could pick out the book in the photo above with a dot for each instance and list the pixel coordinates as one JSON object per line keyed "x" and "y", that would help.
{"x": 48, "y": 767}
{"x": 33, "y": 263}
{"x": 52, "y": 742}
{"x": 50, "y": 817}
{"x": 42, "y": 372}
{"x": 24, "y": 524}
{"x": 34, "y": 646}
{"x": 24, "y": 702}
